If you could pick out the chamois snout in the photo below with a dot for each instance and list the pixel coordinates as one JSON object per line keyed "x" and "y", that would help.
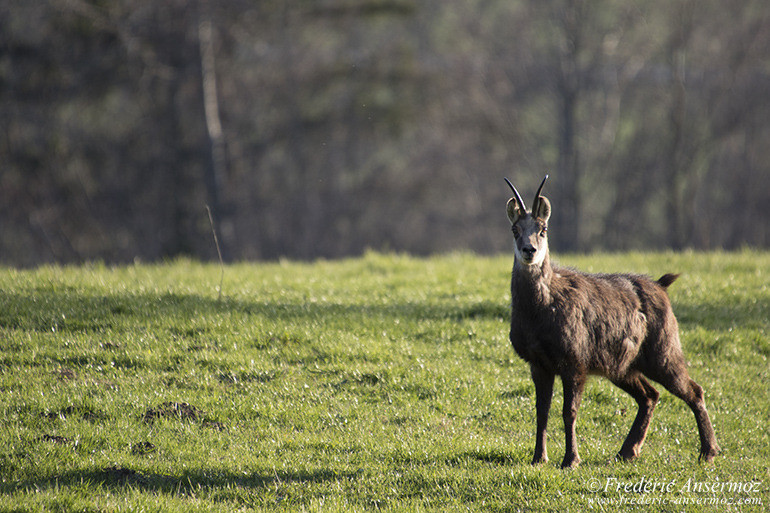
{"x": 528, "y": 252}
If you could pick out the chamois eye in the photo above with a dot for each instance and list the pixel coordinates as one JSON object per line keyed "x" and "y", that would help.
{"x": 515, "y": 232}
{"x": 543, "y": 232}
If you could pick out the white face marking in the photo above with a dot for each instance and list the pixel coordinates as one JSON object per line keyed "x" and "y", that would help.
{"x": 537, "y": 259}
{"x": 540, "y": 255}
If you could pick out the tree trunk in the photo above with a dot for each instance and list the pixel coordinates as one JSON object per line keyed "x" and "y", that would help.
{"x": 568, "y": 88}
{"x": 215, "y": 171}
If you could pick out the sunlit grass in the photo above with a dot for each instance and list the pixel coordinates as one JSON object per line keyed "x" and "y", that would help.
{"x": 378, "y": 382}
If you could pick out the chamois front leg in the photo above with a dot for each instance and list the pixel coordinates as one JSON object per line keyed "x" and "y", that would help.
{"x": 543, "y": 394}
{"x": 646, "y": 397}
{"x": 573, "y": 393}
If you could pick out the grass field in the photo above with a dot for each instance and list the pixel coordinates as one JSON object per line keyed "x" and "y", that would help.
{"x": 382, "y": 382}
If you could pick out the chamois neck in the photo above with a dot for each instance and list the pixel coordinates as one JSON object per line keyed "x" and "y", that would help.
{"x": 534, "y": 272}
{"x": 532, "y": 281}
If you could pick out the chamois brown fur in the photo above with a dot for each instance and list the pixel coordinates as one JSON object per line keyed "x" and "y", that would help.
{"x": 573, "y": 324}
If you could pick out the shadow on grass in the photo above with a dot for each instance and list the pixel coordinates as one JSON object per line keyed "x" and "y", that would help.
{"x": 119, "y": 477}
{"x": 493, "y": 456}
{"x": 194, "y": 480}
{"x": 73, "y": 311}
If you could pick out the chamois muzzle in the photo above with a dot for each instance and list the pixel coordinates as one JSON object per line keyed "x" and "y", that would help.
{"x": 528, "y": 254}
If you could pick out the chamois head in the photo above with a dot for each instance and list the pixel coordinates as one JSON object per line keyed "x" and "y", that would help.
{"x": 530, "y": 229}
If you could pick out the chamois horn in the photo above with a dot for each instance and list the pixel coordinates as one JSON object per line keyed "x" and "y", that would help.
{"x": 537, "y": 194}
{"x": 517, "y": 196}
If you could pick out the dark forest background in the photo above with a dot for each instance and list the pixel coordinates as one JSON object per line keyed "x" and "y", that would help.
{"x": 321, "y": 128}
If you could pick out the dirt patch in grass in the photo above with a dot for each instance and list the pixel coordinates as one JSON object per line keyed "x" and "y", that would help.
{"x": 181, "y": 411}
{"x": 143, "y": 448}
{"x": 123, "y": 475}
{"x": 173, "y": 410}
{"x": 65, "y": 374}
{"x": 83, "y": 412}
{"x": 57, "y": 439}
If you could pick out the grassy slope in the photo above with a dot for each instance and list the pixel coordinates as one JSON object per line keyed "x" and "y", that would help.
{"x": 384, "y": 381}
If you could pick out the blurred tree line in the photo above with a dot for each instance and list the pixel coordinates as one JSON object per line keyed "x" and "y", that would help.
{"x": 320, "y": 128}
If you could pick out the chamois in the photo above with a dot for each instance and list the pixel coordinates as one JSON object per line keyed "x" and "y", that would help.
{"x": 573, "y": 324}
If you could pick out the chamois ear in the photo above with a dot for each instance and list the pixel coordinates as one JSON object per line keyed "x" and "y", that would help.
{"x": 514, "y": 211}
{"x": 543, "y": 209}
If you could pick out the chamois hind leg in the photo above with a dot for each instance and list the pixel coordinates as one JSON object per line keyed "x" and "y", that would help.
{"x": 646, "y": 397}
{"x": 573, "y": 393}
{"x": 680, "y": 384}
{"x": 543, "y": 393}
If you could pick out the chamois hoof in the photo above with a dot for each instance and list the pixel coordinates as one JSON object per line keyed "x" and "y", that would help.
{"x": 707, "y": 455}
{"x": 539, "y": 460}
{"x": 570, "y": 462}
{"x": 626, "y": 455}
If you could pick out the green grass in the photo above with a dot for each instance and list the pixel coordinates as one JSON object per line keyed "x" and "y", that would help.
{"x": 383, "y": 382}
